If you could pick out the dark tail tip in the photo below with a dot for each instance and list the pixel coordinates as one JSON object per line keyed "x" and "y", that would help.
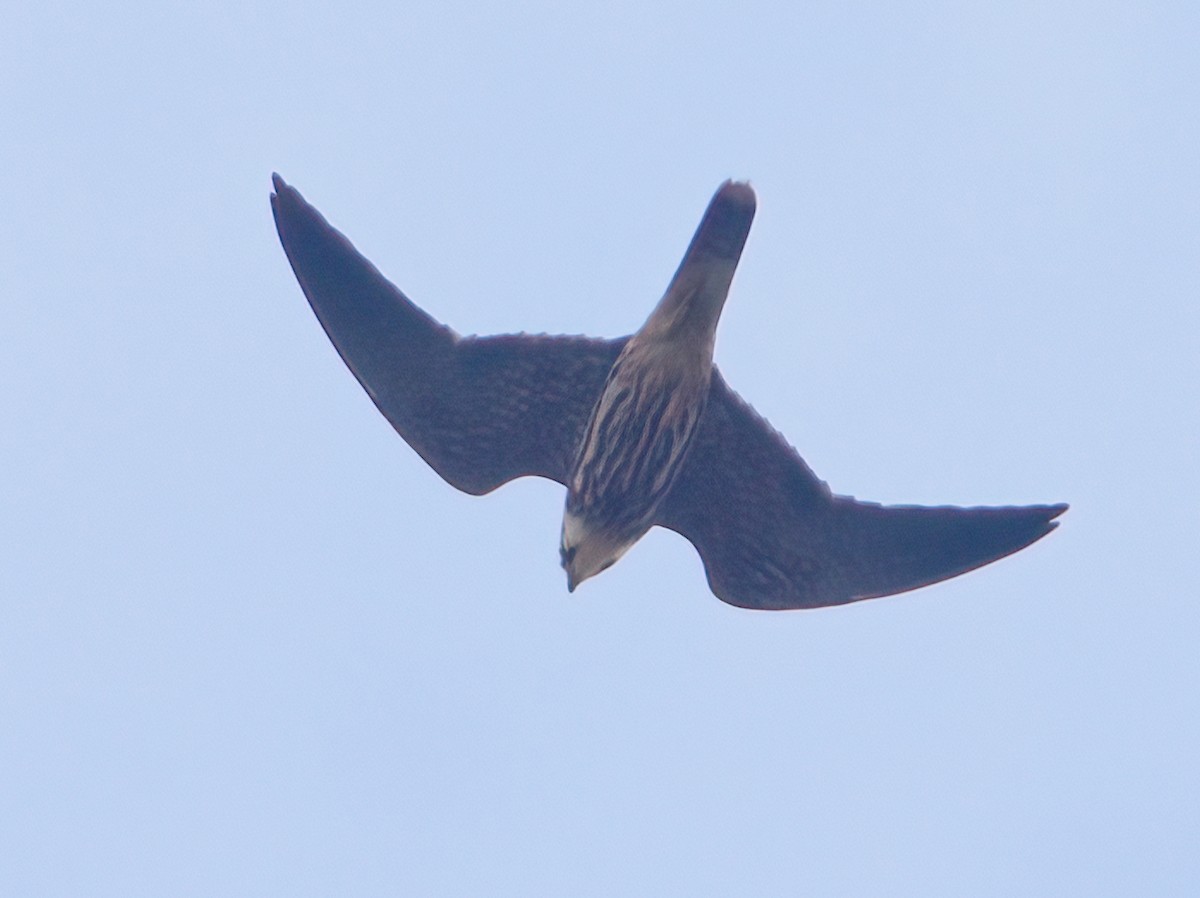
{"x": 738, "y": 194}
{"x": 726, "y": 223}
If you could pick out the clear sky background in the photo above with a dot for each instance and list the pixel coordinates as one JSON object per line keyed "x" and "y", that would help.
{"x": 251, "y": 645}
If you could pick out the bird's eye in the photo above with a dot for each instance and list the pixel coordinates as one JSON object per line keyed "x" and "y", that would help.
{"x": 567, "y": 553}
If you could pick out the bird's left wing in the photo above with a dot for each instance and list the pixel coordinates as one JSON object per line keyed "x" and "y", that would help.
{"x": 772, "y": 536}
{"x": 479, "y": 410}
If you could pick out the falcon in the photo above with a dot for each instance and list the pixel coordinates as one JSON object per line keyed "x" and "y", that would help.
{"x": 642, "y": 431}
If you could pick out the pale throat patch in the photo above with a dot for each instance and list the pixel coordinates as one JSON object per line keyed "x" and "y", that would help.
{"x": 574, "y": 530}
{"x": 594, "y": 550}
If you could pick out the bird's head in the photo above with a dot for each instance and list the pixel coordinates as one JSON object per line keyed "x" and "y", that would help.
{"x": 586, "y": 550}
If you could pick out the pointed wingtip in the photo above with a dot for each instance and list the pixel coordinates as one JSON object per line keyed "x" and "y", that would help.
{"x": 284, "y": 201}
{"x": 1051, "y": 512}
{"x": 291, "y": 210}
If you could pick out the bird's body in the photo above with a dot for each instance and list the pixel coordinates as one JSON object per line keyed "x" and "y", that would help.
{"x": 643, "y": 423}
{"x": 642, "y": 431}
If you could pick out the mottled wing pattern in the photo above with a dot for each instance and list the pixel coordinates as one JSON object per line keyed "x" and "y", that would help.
{"x": 772, "y": 536}
{"x": 479, "y": 410}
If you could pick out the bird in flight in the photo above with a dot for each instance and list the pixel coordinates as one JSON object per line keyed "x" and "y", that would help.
{"x": 642, "y": 431}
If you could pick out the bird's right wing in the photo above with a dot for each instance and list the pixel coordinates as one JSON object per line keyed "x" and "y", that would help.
{"x": 772, "y": 536}
{"x": 479, "y": 410}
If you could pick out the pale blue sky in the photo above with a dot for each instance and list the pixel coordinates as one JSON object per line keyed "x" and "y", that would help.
{"x": 251, "y": 645}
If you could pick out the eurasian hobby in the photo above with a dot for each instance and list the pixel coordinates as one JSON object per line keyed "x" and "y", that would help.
{"x": 641, "y": 430}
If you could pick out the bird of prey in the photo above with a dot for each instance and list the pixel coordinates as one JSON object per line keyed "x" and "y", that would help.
{"x": 642, "y": 431}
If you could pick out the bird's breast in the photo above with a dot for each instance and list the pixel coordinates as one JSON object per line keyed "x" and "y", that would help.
{"x": 638, "y": 436}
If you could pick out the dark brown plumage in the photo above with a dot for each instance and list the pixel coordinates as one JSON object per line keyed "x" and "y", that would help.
{"x": 658, "y": 440}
